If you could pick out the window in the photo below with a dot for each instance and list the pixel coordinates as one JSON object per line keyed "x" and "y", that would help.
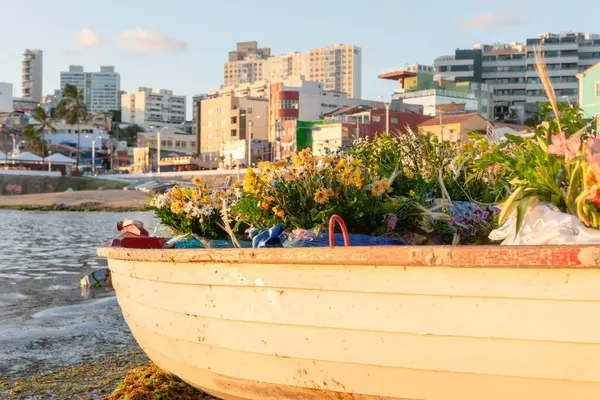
{"x": 250, "y": 110}
{"x": 210, "y": 111}
{"x": 376, "y": 118}
{"x": 234, "y": 120}
{"x": 597, "y": 89}
{"x": 163, "y": 142}
{"x": 394, "y": 120}
{"x": 209, "y": 124}
{"x": 223, "y": 122}
{"x": 234, "y": 132}
{"x": 169, "y": 143}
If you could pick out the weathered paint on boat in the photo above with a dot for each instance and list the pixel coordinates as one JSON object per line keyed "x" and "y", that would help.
{"x": 451, "y": 323}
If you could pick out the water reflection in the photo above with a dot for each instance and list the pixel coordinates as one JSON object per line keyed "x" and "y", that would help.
{"x": 44, "y": 254}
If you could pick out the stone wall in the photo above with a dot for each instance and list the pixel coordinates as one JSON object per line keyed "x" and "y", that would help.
{"x": 12, "y": 184}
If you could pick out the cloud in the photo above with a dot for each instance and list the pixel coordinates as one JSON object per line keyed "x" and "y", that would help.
{"x": 86, "y": 38}
{"x": 149, "y": 41}
{"x": 491, "y": 21}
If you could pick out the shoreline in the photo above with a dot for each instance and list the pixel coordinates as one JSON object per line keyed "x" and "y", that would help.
{"x": 79, "y": 201}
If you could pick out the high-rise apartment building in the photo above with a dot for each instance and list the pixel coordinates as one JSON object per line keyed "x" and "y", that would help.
{"x": 510, "y": 70}
{"x": 246, "y": 64}
{"x": 147, "y": 107}
{"x": 338, "y": 68}
{"x": 279, "y": 68}
{"x": 100, "y": 89}
{"x": 32, "y": 63}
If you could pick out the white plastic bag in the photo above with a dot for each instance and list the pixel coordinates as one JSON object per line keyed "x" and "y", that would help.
{"x": 544, "y": 224}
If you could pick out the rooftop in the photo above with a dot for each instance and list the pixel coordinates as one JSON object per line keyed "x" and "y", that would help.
{"x": 449, "y": 119}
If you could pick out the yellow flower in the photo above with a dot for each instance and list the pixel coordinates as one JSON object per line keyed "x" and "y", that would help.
{"x": 412, "y": 193}
{"x": 278, "y": 212}
{"x": 356, "y": 163}
{"x": 249, "y": 180}
{"x": 197, "y": 181}
{"x": 346, "y": 176}
{"x": 263, "y": 165}
{"x": 279, "y": 164}
{"x": 340, "y": 165}
{"x": 264, "y": 205}
{"x": 296, "y": 160}
{"x": 357, "y": 178}
{"x": 305, "y": 155}
{"x": 322, "y": 195}
{"x": 175, "y": 192}
{"x": 177, "y": 207}
{"x": 380, "y": 187}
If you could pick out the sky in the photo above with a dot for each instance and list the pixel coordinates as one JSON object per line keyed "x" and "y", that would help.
{"x": 181, "y": 45}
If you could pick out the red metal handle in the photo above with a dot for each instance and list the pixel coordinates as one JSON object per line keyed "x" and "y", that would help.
{"x": 340, "y": 221}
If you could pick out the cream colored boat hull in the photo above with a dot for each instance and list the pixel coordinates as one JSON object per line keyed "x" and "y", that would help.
{"x": 434, "y": 323}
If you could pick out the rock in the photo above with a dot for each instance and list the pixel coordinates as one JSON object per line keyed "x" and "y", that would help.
{"x": 69, "y": 190}
{"x": 97, "y": 278}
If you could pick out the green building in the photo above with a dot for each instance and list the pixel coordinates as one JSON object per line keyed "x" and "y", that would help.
{"x": 589, "y": 91}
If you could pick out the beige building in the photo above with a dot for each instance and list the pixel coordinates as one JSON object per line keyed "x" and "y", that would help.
{"x": 246, "y": 64}
{"x": 338, "y": 68}
{"x": 171, "y": 140}
{"x": 228, "y": 119}
{"x": 282, "y": 67}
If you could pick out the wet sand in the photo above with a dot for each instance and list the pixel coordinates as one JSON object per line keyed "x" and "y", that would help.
{"x": 89, "y": 200}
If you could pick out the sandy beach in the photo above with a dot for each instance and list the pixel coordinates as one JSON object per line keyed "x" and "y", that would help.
{"x": 89, "y": 200}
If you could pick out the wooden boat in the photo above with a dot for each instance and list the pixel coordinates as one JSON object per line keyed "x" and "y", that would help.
{"x": 432, "y": 323}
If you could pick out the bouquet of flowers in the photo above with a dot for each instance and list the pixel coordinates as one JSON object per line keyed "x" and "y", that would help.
{"x": 196, "y": 210}
{"x": 305, "y": 191}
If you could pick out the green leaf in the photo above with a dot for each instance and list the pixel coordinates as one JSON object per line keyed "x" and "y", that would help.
{"x": 510, "y": 205}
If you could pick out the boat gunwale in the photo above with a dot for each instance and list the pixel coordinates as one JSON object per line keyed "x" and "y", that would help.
{"x": 564, "y": 256}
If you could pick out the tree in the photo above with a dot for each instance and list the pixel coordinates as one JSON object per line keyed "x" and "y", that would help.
{"x": 73, "y": 110}
{"x": 33, "y": 143}
{"x": 46, "y": 120}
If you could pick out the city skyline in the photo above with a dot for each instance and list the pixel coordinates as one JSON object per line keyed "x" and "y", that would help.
{"x": 184, "y": 49}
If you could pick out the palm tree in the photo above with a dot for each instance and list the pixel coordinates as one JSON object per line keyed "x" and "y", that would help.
{"x": 45, "y": 123}
{"x": 73, "y": 110}
{"x": 33, "y": 143}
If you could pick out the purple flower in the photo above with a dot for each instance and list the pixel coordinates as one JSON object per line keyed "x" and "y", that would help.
{"x": 473, "y": 231}
{"x": 452, "y": 222}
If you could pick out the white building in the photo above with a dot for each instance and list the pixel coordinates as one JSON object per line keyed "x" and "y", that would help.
{"x": 32, "y": 66}
{"x": 510, "y": 70}
{"x": 51, "y": 101}
{"x": 477, "y": 99}
{"x": 100, "y": 89}
{"x": 148, "y": 108}
{"x": 6, "y": 97}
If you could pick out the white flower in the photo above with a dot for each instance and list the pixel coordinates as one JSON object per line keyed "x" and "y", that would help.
{"x": 159, "y": 201}
{"x": 207, "y": 210}
{"x": 196, "y": 213}
{"x": 189, "y": 207}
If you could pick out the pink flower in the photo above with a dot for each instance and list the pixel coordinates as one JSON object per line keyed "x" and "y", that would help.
{"x": 558, "y": 146}
{"x": 594, "y": 161}
{"x": 567, "y": 147}
{"x": 593, "y": 145}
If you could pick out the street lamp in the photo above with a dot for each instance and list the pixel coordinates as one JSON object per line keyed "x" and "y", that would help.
{"x": 14, "y": 140}
{"x": 158, "y": 148}
{"x": 249, "y": 139}
{"x": 387, "y": 115}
